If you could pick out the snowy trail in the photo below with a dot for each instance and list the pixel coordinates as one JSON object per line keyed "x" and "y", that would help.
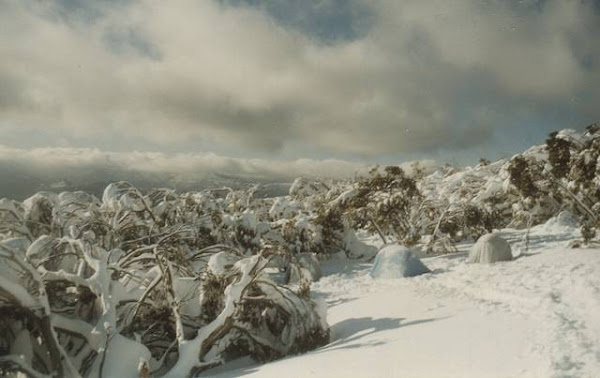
{"x": 559, "y": 289}
{"x": 537, "y": 316}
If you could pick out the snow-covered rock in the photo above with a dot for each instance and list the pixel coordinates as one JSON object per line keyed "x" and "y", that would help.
{"x": 489, "y": 249}
{"x": 397, "y": 261}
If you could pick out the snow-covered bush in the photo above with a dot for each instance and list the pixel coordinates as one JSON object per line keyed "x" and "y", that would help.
{"x": 397, "y": 261}
{"x": 384, "y": 202}
{"x": 490, "y": 248}
{"x": 303, "y": 188}
{"x": 306, "y": 268}
{"x": 85, "y": 282}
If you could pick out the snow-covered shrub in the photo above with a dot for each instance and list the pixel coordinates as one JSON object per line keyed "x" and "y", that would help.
{"x": 141, "y": 275}
{"x": 305, "y": 267}
{"x": 559, "y": 154}
{"x": 384, "y": 202}
{"x": 284, "y": 208}
{"x": 12, "y": 220}
{"x": 490, "y": 248}
{"x": 40, "y": 213}
{"x": 354, "y": 248}
{"x": 397, "y": 261}
{"x": 303, "y": 188}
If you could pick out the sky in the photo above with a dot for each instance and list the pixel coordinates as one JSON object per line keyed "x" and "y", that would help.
{"x": 289, "y": 87}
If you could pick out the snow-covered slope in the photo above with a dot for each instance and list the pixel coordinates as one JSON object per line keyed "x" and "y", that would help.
{"x": 536, "y": 316}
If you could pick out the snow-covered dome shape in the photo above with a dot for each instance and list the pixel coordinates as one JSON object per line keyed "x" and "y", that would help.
{"x": 397, "y": 261}
{"x": 490, "y": 248}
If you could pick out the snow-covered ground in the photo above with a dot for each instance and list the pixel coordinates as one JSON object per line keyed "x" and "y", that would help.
{"x": 535, "y": 316}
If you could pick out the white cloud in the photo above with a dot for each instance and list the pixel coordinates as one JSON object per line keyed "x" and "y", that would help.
{"x": 60, "y": 161}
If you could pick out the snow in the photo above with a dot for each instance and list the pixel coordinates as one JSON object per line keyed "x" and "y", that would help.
{"x": 396, "y": 261}
{"x": 536, "y": 316}
{"x": 125, "y": 357}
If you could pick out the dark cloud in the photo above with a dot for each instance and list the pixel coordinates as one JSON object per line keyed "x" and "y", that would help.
{"x": 272, "y": 78}
{"x": 326, "y": 21}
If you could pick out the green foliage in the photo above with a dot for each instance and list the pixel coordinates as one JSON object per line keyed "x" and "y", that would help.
{"x": 559, "y": 155}
{"x": 523, "y": 175}
{"x": 384, "y": 202}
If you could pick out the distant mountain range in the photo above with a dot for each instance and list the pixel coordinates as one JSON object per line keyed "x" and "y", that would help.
{"x": 19, "y": 183}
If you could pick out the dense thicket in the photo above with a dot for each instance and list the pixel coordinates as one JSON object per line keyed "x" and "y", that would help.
{"x": 155, "y": 283}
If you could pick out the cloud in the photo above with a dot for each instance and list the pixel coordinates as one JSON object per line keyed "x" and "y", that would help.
{"x": 324, "y": 21}
{"x": 67, "y": 158}
{"x": 262, "y": 78}
{"x": 25, "y": 171}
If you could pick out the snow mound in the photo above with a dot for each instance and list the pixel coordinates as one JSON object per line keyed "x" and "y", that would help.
{"x": 396, "y": 261}
{"x": 489, "y": 249}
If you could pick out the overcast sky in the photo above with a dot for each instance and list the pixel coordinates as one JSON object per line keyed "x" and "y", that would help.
{"x": 360, "y": 81}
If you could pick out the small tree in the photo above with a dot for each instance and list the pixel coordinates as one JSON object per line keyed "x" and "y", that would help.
{"x": 384, "y": 202}
{"x": 559, "y": 155}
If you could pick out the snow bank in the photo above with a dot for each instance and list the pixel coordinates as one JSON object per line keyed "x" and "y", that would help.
{"x": 396, "y": 261}
{"x": 490, "y": 248}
